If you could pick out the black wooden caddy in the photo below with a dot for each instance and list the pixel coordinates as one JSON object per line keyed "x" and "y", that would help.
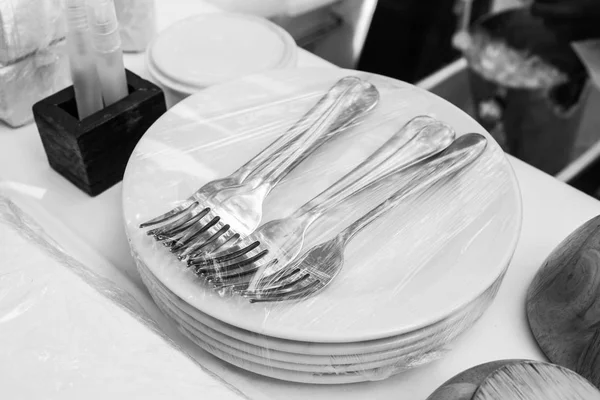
{"x": 93, "y": 153}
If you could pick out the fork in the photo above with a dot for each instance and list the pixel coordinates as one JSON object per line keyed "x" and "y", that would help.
{"x": 275, "y": 233}
{"x": 317, "y": 268}
{"x": 187, "y": 211}
{"x": 327, "y": 199}
{"x": 236, "y": 208}
{"x": 280, "y": 241}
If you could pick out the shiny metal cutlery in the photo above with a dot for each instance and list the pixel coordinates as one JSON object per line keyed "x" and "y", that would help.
{"x": 220, "y": 209}
{"x": 317, "y": 267}
{"x": 280, "y": 241}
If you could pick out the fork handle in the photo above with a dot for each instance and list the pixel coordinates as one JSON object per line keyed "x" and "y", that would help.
{"x": 462, "y": 152}
{"x": 344, "y": 109}
{"x": 276, "y": 149}
{"x": 419, "y": 138}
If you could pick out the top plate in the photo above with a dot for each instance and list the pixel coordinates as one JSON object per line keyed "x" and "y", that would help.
{"x": 205, "y": 50}
{"x": 424, "y": 261}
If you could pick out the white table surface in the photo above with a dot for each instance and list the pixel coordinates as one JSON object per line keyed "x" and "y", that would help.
{"x": 551, "y": 210}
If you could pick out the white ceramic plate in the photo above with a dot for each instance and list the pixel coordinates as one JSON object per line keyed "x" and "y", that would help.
{"x": 295, "y": 376}
{"x": 270, "y": 356}
{"x": 443, "y": 332}
{"x": 315, "y": 374}
{"x": 404, "y": 359}
{"x": 411, "y": 270}
{"x": 327, "y": 350}
{"x": 318, "y": 350}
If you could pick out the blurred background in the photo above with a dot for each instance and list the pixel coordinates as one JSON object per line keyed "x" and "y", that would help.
{"x": 492, "y": 58}
{"x": 412, "y": 40}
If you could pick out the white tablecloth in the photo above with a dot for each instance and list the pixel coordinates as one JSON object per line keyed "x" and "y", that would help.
{"x": 551, "y": 211}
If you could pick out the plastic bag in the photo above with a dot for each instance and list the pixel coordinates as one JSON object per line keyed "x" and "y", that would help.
{"x": 137, "y": 23}
{"x": 31, "y": 79}
{"x": 27, "y": 26}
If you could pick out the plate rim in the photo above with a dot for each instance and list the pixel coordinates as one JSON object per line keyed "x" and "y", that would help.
{"x": 173, "y": 303}
{"x": 431, "y": 348}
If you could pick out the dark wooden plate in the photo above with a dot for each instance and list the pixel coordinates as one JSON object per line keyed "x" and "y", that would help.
{"x": 464, "y": 385}
{"x": 563, "y": 303}
{"x": 531, "y": 380}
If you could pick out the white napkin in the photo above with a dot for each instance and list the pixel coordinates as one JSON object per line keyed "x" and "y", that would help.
{"x": 67, "y": 333}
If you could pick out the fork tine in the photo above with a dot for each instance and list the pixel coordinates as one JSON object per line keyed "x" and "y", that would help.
{"x": 219, "y": 233}
{"x": 223, "y": 256}
{"x": 210, "y": 266}
{"x": 195, "y": 246}
{"x": 183, "y": 207}
{"x": 298, "y": 293}
{"x": 181, "y": 218}
{"x": 219, "y": 268}
{"x": 175, "y": 242}
{"x": 229, "y": 243}
{"x": 180, "y": 232}
{"x": 209, "y": 251}
{"x": 241, "y": 280}
{"x": 285, "y": 275}
{"x": 289, "y": 284}
{"x": 180, "y": 244}
{"x": 245, "y": 270}
{"x": 278, "y": 278}
{"x": 234, "y": 277}
{"x": 274, "y": 290}
{"x": 166, "y": 231}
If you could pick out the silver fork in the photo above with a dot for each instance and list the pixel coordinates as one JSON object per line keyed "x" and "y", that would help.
{"x": 238, "y": 210}
{"x": 317, "y": 268}
{"x": 234, "y": 210}
{"x": 192, "y": 210}
{"x": 280, "y": 241}
{"x": 331, "y": 197}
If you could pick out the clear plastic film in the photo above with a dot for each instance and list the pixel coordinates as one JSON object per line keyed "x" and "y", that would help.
{"x": 31, "y": 79}
{"x": 410, "y": 281}
{"x": 137, "y": 23}
{"x": 69, "y": 333}
{"x": 27, "y": 26}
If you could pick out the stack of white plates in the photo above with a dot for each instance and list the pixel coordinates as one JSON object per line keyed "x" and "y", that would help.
{"x": 410, "y": 284}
